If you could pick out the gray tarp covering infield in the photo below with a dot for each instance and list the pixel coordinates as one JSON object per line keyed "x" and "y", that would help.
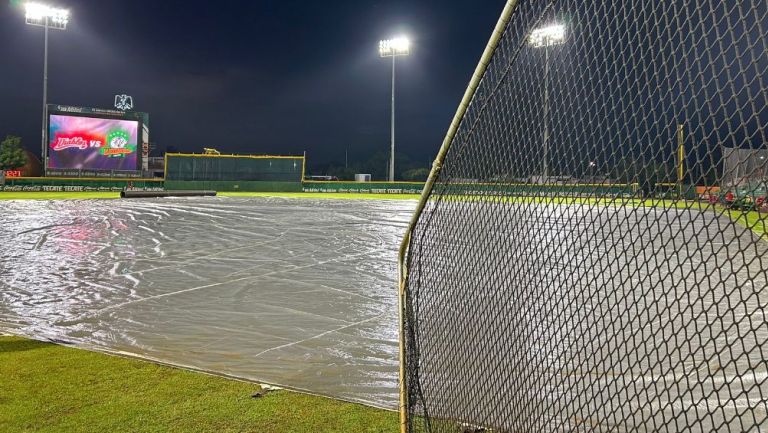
{"x": 655, "y": 313}
{"x": 295, "y": 292}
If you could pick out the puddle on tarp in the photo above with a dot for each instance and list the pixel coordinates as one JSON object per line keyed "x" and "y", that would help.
{"x": 299, "y": 293}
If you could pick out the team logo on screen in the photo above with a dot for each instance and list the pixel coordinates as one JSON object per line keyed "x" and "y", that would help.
{"x": 117, "y": 144}
{"x": 74, "y": 143}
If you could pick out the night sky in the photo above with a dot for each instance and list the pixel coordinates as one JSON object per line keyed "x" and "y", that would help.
{"x": 278, "y": 77}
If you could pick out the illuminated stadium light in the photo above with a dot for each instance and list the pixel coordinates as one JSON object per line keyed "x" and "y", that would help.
{"x": 548, "y": 36}
{"x": 394, "y": 47}
{"x": 38, "y": 14}
{"x": 48, "y": 17}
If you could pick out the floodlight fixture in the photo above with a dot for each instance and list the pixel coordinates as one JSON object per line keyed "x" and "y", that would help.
{"x": 38, "y": 14}
{"x": 551, "y": 35}
{"x": 399, "y": 46}
{"x": 48, "y": 17}
{"x": 547, "y": 36}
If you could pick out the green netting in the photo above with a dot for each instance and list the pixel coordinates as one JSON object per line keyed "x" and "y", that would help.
{"x": 240, "y": 168}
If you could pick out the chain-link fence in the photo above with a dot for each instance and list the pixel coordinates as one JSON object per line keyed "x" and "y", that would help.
{"x": 530, "y": 309}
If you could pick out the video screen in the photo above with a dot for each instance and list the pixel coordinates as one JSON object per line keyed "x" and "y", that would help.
{"x": 87, "y": 143}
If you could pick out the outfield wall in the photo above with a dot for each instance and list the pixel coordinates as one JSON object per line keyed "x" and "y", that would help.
{"x": 233, "y": 186}
{"x": 38, "y": 184}
{"x": 74, "y": 184}
{"x": 32, "y": 184}
{"x": 363, "y": 187}
{"x": 475, "y": 188}
{"x": 233, "y": 173}
{"x": 536, "y": 190}
{"x": 233, "y": 168}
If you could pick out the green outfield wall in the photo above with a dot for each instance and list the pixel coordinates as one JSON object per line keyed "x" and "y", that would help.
{"x": 233, "y": 186}
{"x": 32, "y": 184}
{"x": 534, "y": 190}
{"x": 363, "y": 187}
{"x": 238, "y": 168}
{"x": 74, "y": 184}
{"x": 474, "y": 188}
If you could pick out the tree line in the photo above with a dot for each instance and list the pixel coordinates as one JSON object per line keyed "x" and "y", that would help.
{"x": 12, "y": 155}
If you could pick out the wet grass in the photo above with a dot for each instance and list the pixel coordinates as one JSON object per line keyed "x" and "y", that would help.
{"x": 51, "y": 388}
{"x": 755, "y": 221}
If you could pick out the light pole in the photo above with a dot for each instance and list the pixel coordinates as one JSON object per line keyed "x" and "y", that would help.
{"x": 393, "y": 48}
{"x": 47, "y": 17}
{"x": 546, "y": 37}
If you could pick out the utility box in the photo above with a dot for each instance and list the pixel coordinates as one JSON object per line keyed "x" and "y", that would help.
{"x": 362, "y": 178}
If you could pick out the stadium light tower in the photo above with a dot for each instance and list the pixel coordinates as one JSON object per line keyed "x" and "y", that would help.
{"x": 392, "y": 48}
{"x": 47, "y": 17}
{"x": 546, "y": 37}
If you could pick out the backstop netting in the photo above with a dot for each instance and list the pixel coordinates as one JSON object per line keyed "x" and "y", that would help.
{"x": 546, "y": 286}
{"x": 190, "y": 167}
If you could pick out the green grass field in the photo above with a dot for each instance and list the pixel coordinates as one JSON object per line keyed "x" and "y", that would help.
{"x": 755, "y": 221}
{"x": 46, "y": 387}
